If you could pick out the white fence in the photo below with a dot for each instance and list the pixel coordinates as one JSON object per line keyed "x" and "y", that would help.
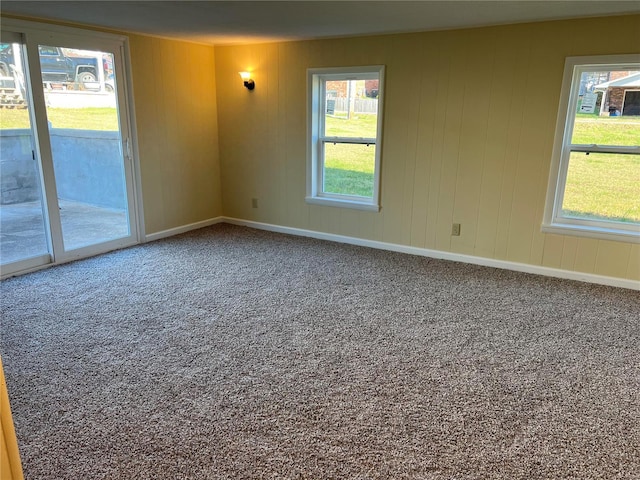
{"x": 360, "y": 105}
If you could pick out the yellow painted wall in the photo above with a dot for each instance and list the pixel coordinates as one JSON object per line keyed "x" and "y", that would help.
{"x": 468, "y": 134}
{"x": 175, "y": 102}
{"x": 10, "y": 466}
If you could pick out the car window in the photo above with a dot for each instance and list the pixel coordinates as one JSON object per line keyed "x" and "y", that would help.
{"x": 44, "y": 50}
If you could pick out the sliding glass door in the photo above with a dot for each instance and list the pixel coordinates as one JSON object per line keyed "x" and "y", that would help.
{"x": 67, "y": 169}
{"x": 23, "y": 226}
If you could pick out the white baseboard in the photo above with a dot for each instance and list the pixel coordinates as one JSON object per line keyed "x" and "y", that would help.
{"x": 182, "y": 229}
{"x": 456, "y": 257}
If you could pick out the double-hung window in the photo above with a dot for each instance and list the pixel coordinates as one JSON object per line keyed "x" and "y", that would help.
{"x": 345, "y": 118}
{"x": 594, "y": 183}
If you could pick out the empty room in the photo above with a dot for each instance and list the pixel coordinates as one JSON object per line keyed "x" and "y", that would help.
{"x": 320, "y": 240}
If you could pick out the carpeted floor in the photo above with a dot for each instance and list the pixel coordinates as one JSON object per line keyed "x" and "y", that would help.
{"x": 231, "y": 353}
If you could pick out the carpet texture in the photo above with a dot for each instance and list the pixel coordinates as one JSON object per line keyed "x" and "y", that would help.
{"x": 232, "y": 353}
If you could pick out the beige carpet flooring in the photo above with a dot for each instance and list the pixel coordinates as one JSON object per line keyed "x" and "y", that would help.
{"x": 231, "y": 353}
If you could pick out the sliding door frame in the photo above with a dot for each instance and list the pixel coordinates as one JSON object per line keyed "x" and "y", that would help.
{"x": 34, "y": 34}
{"x": 43, "y": 259}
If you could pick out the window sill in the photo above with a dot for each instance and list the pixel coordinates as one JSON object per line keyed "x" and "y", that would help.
{"x": 343, "y": 203}
{"x": 602, "y": 233}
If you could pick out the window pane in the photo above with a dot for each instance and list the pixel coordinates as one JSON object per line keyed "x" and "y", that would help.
{"x": 608, "y": 109}
{"x": 22, "y": 222}
{"x": 86, "y": 144}
{"x": 351, "y": 108}
{"x": 348, "y": 169}
{"x": 603, "y": 186}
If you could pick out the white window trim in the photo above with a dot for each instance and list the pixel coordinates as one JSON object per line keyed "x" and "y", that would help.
{"x": 315, "y": 93}
{"x": 553, "y": 221}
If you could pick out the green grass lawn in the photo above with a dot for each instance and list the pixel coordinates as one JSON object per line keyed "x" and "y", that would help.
{"x": 603, "y": 186}
{"x": 77, "y": 118}
{"x": 359, "y": 125}
{"x": 589, "y": 129}
{"x": 349, "y": 167}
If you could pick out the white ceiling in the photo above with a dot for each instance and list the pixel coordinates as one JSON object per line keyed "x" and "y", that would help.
{"x": 234, "y": 22}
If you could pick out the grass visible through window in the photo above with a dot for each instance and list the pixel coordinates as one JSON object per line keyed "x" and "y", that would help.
{"x": 359, "y": 125}
{"x": 604, "y": 186}
{"x": 105, "y": 119}
{"x": 590, "y": 129}
{"x": 349, "y": 168}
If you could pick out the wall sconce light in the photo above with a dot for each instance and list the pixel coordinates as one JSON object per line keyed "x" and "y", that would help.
{"x": 246, "y": 79}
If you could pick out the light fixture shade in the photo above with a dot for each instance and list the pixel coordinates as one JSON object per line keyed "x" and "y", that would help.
{"x": 246, "y": 80}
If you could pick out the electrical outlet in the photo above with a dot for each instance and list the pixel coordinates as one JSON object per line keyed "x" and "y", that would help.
{"x": 455, "y": 230}
{"x": 254, "y": 203}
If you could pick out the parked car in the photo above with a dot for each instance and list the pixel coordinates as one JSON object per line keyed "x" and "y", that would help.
{"x": 56, "y": 66}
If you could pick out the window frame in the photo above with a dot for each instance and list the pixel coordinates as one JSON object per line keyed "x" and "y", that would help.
{"x": 554, "y": 221}
{"x": 316, "y": 93}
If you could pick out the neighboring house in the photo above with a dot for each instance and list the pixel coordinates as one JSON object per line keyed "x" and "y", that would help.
{"x": 621, "y": 96}
{"x": 371, "y": 88}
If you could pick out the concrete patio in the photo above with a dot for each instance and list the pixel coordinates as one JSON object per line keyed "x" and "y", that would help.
{"x": 22, "y": 232}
